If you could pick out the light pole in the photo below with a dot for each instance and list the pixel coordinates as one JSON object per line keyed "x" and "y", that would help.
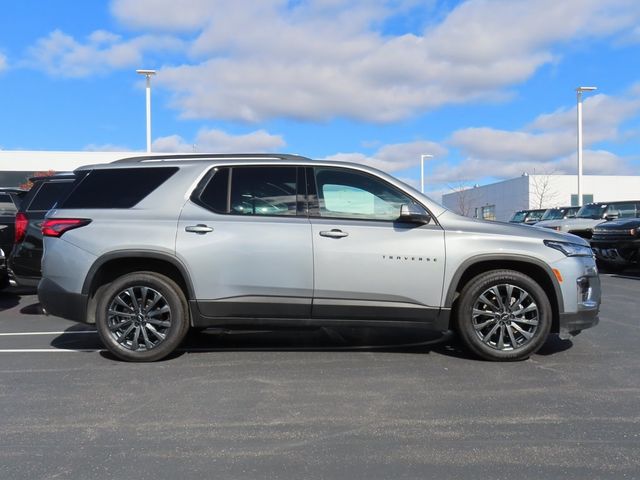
{"x": 579, "y": 91}
{"x": 422, "y": 158}
{"x": 148, "y": 74}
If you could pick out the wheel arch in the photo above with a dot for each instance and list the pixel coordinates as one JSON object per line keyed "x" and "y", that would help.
{"x": 530, "y": 266}
{"x": 114, "y": 264}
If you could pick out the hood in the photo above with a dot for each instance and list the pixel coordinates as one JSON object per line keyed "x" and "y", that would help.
{"x": 452, "y": 221}
{"x": 571, "y": 223}
{"x": 621, "y": 224}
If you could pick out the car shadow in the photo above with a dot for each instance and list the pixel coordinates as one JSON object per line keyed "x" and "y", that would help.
{"x": 384, "y": 340}
{"x": 33, "y": 309}
{"x": 8, "y": 300}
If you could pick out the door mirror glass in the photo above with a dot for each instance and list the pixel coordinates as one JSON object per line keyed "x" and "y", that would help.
{"x": 414, "y": 214}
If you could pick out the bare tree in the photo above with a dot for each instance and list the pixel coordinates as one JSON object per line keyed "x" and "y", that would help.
{"x": 543, "y": 192}
{"x": 464, "y": 197}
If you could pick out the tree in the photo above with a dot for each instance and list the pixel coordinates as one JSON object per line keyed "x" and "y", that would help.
{"x": 28, "y": 183}
{"x": 542, "y": 189}
{"x": 464, "y": 197}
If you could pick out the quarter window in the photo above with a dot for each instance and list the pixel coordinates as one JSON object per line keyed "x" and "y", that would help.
{"x": 345, "y": 194}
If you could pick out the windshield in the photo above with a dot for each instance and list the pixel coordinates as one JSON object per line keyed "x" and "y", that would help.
{"x": 518, "y": 217}
{"x": 592, "y": 211}
{"x": 535, "y": 215}
{"x": 553, "y": 214}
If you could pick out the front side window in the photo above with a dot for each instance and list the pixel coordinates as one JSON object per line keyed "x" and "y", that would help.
{"x": 624, "y": 210}
{"x": 263, "y": 190}
{"x": 345, "y": 194}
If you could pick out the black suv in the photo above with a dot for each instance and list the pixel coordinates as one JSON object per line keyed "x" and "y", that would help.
{"x": 617, "y": 244}
{"x": 24, "y": 261}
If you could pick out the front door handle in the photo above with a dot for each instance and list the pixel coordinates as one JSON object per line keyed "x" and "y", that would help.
{"x": 200, "y": 229}
{"x": 335, "y": 233}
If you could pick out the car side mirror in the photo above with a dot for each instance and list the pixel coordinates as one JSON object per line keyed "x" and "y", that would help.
{"x": 612, "y": 216}
{"x": 414, "y": 214}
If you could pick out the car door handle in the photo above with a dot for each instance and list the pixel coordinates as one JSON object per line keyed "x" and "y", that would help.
{"x": 200, "y": 228}
{"x": 335, "y": 233}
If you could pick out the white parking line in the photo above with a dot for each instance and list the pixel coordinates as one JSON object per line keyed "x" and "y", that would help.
{"x": 17, "y": 334}
{"x": 49, "y": 350}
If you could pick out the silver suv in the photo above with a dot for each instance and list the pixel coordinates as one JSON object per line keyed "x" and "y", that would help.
{"x": 148, "y": 247}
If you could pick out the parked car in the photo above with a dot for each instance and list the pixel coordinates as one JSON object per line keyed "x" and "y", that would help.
{"x": 593, "y": 214}
{"x": 9, "y": 202}
{"x": 4, "y": 277}
{"x": 559, "y": 213}
{"x": 617, "y": 244}
{"x": 147, "y": 247}
{"x": 24, "y": 261}
{"x": 529, "y": 217}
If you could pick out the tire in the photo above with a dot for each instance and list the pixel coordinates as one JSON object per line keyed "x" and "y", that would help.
{"x": 507, "y": 331}
{"x": 135, "y": 332}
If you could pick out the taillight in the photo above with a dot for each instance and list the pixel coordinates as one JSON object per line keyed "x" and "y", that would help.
{"x": 55, "y": 227}
{"x": 21, "y": 226}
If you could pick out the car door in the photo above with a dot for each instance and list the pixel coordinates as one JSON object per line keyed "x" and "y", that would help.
{"x": 246, "y": 241}
{"x": 367, "y": 264}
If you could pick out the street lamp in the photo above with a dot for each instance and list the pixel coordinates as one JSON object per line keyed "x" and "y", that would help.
{"x": 422, "y": 158}
{"x": 148, "y": 74}
{"x": 579, "y": 91}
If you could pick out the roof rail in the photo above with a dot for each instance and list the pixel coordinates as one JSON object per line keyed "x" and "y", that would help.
{"x": 212, "y": 156}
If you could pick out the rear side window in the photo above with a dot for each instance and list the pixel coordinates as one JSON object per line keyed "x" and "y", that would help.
{"x": 7, "y": 206}
{"x": 262, "y": 190}
{"x": 48, "y": 195}
{"x": 116, "y": 187}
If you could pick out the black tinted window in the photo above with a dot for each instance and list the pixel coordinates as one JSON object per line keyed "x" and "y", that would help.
{"x": 215, "y": 194}
{"x": 117, "y": 187}
{"x": 263, "y": 191}
{"x": 48, "y": 195}
{"x": 6, "y": 204}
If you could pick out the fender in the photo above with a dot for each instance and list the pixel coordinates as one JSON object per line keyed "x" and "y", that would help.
{"x": 151, "y": 254}
{"x": 469, "y": 262}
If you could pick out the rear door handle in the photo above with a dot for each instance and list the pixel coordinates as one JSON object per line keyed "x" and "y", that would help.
{"x": 335, "y": 233}
{"x": 200, "y": 229}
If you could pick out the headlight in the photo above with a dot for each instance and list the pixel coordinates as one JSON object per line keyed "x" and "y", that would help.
{"x": 570, "y": 249}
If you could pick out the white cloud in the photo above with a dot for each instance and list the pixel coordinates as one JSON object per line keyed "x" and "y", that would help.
{"x": 3, "y": 62}
{"x": 217, "y": 141}
{"x": 62, "y": 55}
{"x": 548, "y": 143}
{"x": 394, "y": 157}
{"x": 320, "y": 59}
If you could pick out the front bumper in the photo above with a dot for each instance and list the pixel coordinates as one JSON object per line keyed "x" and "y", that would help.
{"x": 588, "y": 296}
{"x": 62, "y": 303}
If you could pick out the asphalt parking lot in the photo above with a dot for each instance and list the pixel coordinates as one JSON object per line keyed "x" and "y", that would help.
{"x": 319, "y": 404}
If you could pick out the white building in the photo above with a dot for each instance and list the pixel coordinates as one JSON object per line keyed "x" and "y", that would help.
{"x": 498, "y": 201}
{"x": 17, "y": 165}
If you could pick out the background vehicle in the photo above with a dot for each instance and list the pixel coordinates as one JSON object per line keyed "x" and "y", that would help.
{"x": 528, "y": 217}
{"x": 593, "y": 214}
{"x": 557, "y": 213}
{"x": 4, "y": 277}
{"x": 279, "y": 240}
{"x": 617, "y": 244}
{"x": 25, "y": 258}
{"x": 9, "y": 202}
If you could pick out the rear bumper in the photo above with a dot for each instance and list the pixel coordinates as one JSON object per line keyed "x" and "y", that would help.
{"x": 62, "y": 303}
{"x": 21, "y": 281}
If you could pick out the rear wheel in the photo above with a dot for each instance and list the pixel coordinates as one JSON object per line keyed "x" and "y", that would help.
{"x": 142, "y": 316}
{"x": 503, "y": 315}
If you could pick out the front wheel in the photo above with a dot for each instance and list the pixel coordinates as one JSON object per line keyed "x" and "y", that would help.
{"x": 503, "y": 315}
{"x": 142, "y": 316}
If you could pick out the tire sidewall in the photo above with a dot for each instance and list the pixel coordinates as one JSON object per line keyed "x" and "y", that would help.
{"x": 469, "y": 296}
{"x": 175, "y": 299}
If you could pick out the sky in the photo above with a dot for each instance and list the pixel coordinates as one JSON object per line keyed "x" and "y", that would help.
{"x": 485, "y": 86}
